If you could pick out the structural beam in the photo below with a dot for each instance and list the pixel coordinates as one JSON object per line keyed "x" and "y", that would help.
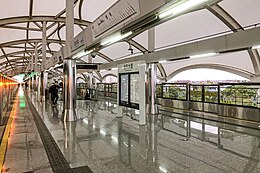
{"x": 227, "y": 68}
{"x": 25, "y": 19}
{"x": 20, "y": 28}
{"x": 230, "y": 22}
{"x": 239, "y": 41}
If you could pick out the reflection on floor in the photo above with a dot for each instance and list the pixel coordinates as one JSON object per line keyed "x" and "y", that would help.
{"x": 107, "y": 143}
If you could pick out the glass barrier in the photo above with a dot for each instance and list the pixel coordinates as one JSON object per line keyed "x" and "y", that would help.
{"x": 114, "y": 88}
{"x": 211, "y": 94}
{"x": 196, "y": 93}
{"x": 159, "y": 90}
{"x": 174, "y": 91}
{"x": 241, "y": 95}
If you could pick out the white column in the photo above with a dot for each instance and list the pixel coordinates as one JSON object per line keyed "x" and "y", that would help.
{"x": 69, "y": 24}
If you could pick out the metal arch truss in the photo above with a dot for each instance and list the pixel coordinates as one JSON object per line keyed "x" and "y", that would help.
{"x": 231, "y": 69}
{"x": 27, "y": 45}
{"x": 230, "y": 22}
{"x": 26, "y": 19}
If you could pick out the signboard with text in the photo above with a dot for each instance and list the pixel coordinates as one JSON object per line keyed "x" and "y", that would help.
{"x": 121, "y": 12}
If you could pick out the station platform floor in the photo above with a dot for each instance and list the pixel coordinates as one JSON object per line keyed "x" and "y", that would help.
{"x": 102, "y": 142}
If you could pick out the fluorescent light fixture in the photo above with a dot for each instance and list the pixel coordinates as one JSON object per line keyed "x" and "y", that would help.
{"x": 181, "y": 7}
{"x": 85, "y": 121}
{"x": 203, "y": 55}
{"x": 82, "y": 53}
{"x": 163, "y": 169}
{"x": 163, "y": 61}
{"x": 114, "y": 139}
{"x": 116, "y": 38}
{"x": 103, "y": 133}
{"x": 256, "y": 47}
{"x": 102, "y": 70}
{"x": 114, "y": 68}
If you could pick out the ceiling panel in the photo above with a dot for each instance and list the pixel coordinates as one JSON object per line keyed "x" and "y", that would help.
{"x": 187, "y": 27}
{"x": 245, "y": 12}
{"x": 13, "y": 8}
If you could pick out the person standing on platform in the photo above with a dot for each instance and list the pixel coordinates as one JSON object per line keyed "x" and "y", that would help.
{"x": 54, "y": 90}
{"x": 26, "y": 85}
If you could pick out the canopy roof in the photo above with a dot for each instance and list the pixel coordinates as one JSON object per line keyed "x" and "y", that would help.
{"x": 21, "y": 32}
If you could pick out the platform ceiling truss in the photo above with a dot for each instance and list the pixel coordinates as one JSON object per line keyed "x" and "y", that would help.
{"x": 16, "y": 52}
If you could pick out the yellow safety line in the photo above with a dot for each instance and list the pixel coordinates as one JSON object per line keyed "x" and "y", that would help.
{"x": 4, "y": 142}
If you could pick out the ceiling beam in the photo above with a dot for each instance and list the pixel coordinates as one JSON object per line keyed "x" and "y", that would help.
{"x": 23, "y": 41}
{"x": 230, "y": 22}
{"x": 20, "y": 28}
{"x": 64, "y": 10}
{"x": 24, "y": 51}
{"x": 6, "y": 57}
{"x": 233, "y": 42}
{"x": 25, "y": 19}
{"x": 30, "y": 9}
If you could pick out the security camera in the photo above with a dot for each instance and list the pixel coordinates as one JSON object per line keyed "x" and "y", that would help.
{"x": 93, "y": 54}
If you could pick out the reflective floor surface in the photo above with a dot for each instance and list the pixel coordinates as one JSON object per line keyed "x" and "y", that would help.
{"x": 177, "y": 143}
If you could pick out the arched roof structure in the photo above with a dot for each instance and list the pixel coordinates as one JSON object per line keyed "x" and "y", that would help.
{"x": 21, "y": 32}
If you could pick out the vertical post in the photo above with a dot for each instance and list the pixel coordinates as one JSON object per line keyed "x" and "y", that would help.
{"x": 31, "y": 79}
{"x": 39, "y": 89}
{"x": 1, "y": 99}
{"x": 90, "y": 74}
{"x": 142, "y": 96}
{"x": 43, "y": 74}
{"x": 69, "y": 69}
{"x": 152, "y": 79}
{"x": 69, "y": 85}
{"x": 35, "y": 66}
{"x": 69, "y": 24}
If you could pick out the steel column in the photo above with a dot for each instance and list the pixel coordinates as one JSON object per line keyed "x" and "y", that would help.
{"x": 152, "y": 77}
{"x": 35, "y": 66}
{"x": 69, "y": 85}
{"x": 1, "y": 99}
{"x": 43, "y": 74}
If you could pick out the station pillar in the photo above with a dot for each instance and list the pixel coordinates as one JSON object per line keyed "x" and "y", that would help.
{"x": 1, "y": 99}
{"x": 69, "y": 87}
{"x": 151, "y": 88}
{"x": 43, "y": 86}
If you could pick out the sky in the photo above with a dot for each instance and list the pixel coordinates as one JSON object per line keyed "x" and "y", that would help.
{"x": 206, "y": 74}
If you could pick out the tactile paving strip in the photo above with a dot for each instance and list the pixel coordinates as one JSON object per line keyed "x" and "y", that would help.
{"x": 57, "y": 160}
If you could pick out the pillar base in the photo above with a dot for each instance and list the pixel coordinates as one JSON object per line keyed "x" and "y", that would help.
{"x": 69, "y": 115}
{"x": 152, "y": 118}
{"x": 42, "y": 98}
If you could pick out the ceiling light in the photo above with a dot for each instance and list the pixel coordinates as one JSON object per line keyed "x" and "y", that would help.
{"x": 82, "y": 53}
{"x": 203, "y": 55}
{"x": 114, "y": 68}
{"x": 181, "y": 7}
{"x": 102, "y": 70}
{"x": 163, "y": 169}
{"x": 163, "y": 61}
{"x": 256, "y": 47}
{"x": 115, "y": 38}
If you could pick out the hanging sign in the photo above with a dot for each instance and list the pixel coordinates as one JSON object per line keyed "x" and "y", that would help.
{"x": 121, "y": 12}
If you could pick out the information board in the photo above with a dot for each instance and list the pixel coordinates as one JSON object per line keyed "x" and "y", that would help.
{"x": 134, "y": 88}
{"x": 124, "y": 88}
